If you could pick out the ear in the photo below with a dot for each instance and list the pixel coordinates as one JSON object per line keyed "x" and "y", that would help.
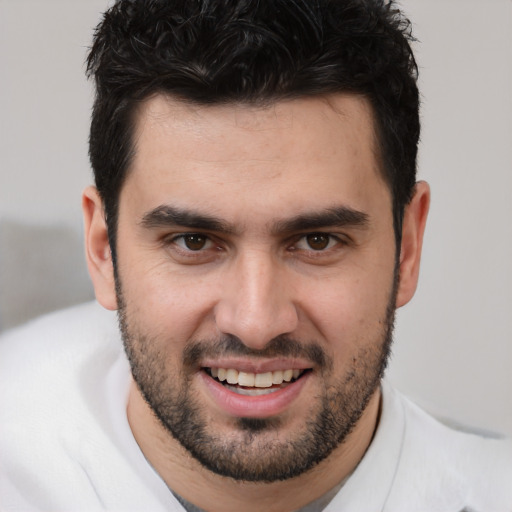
{"x": 413, "y": 227}
{"x": 97, "y": 249}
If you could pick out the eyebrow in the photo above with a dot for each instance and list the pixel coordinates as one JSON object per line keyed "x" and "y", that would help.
{"x": 168, "y": 216}
{"x": 336, "y": 216}
{"x": 339, "y": 216}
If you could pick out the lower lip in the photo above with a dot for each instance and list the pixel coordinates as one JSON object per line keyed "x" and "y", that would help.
{"x": 263, "y": 406}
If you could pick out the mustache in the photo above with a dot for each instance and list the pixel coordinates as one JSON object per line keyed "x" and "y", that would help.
{"x": 229, "y": 345}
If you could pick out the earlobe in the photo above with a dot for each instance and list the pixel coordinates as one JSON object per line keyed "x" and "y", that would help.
{"x": 97, "y": 249}
{"x": 413, "y": 228}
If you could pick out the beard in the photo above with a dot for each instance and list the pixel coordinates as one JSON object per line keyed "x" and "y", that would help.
{"x": 255, "y": 450}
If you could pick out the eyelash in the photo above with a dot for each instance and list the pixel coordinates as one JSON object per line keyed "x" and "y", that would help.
{"x": 333, "y": 242}
{"x": 176, "y": 245}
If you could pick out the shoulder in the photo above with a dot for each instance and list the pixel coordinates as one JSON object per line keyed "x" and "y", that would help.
{"x": 43, "y": 362}
{"x": 65, "y": 442}
{"x": 443, "y": 469}
{"x": 52, "y": 364}
{"x": 85, "y": 320}
{"x": 51, "y": 369}
{"x": 64, "y": 338}
{"x": 53, "y": 406}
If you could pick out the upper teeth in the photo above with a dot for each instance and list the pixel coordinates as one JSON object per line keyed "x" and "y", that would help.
{"x": 258, "y": 380}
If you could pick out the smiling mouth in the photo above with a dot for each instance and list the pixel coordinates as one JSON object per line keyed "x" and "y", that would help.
{"x": 254, "y": 384}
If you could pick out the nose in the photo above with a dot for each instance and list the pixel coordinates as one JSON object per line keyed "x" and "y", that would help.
{"x": 256, "y": 302}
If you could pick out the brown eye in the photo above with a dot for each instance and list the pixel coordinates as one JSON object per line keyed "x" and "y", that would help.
{"x": 194, "y": 241}
{"x": 318, "y": 241}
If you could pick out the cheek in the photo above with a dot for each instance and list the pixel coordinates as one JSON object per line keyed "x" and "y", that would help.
{"x": 350, "y": 311}
{"x": 164, "y": 302}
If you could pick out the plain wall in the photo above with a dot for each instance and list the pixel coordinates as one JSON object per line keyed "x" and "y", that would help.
{"x": 453, "y": 348}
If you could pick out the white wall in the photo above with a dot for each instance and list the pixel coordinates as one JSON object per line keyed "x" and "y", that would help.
{"x": 453, "y": 350}
{"x": 44, "y": 103}
{"x": 454, "y": 341}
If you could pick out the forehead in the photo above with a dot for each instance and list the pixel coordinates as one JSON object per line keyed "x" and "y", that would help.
{"x": 288, "y": 152}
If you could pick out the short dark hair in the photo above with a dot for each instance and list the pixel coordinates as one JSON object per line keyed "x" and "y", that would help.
{"x": 252, "y": 51}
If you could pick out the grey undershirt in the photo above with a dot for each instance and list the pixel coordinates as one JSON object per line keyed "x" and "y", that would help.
{"x": 315, "y": 506}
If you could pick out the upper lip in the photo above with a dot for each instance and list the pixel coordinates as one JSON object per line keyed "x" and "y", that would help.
{"x": 257, "y": 366}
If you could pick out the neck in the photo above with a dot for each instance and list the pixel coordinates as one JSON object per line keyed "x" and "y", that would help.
{"x": 209, "y": 491}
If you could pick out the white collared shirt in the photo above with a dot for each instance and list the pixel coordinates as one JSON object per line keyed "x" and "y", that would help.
{"x": 66, "y": 445}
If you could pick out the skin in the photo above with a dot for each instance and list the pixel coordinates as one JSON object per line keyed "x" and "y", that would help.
{"x": 256, "y": 169}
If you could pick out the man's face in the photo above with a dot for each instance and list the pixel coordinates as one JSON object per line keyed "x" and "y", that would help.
{"x": 256, "y": 277}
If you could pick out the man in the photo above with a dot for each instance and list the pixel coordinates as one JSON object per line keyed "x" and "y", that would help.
{"x": 255, "y": 223}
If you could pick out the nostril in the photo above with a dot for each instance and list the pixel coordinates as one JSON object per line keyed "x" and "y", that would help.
{"x": 258, "y": 305}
